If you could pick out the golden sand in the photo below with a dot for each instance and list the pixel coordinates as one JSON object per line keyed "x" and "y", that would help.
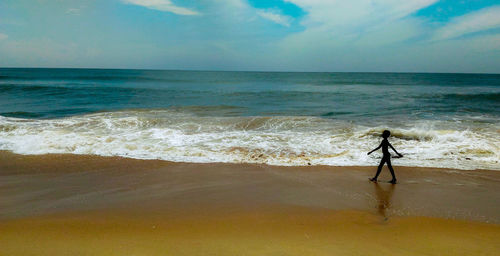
{"x": 83, "y": 205}
{"x": 264, "y": 232}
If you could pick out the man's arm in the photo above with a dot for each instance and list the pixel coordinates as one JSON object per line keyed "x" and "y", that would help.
{"x": 379, "y": 146}
{"x": 394, "y": 150}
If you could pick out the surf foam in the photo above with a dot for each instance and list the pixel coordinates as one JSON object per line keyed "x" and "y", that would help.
{"x": 285, "y": 140}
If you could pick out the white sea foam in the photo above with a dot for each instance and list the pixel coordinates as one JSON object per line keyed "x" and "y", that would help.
{"x": 184, "y": 137}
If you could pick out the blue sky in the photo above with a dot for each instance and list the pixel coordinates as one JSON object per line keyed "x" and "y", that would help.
{"x": 272, "y": 35}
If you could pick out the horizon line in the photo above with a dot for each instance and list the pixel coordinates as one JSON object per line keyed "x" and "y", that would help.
{"x": 251, "y": 71}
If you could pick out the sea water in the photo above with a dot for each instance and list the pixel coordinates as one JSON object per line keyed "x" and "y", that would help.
{"x": 277, "y": 118}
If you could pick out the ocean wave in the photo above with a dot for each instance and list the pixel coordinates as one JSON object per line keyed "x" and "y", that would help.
{"x": 494, "y": 96}
{"x": 182, "y": 135}
{"x": 480, "y": 96}
{"x": 21, "y": 114}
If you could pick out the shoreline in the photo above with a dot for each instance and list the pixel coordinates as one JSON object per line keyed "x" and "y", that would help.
{"x": 60, "y": 158}
{"x": 74, "y": 204}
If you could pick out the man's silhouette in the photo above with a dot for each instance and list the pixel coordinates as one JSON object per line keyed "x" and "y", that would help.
{"x": 386, "y": 158}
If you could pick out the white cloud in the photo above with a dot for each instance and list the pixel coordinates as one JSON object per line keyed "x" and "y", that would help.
{"x": 162, "y": 5}
{"x": 350, "y": 35}
{"x": 341, "y": 14}
{"x": 332, "y": 26}
{"x": 3, "y": 36}
{"x": 275, "y": 16}
{"x": 74, "y": 11}
{"x": 481, "y": 20}
{"x": 238, "y": 4}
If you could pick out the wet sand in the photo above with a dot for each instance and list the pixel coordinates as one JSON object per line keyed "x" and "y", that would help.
{"x": 88, "y": 205}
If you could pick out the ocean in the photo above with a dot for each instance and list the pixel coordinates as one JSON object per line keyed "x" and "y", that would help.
{"x": 275, "y": 118}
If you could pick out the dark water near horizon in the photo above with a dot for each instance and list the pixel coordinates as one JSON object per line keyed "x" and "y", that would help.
{"x": 264, "y": 117}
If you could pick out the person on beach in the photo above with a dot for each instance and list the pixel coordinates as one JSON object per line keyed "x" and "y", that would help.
{"x": 386, "y": 158}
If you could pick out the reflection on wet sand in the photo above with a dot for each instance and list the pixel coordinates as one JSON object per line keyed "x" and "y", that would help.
{"x": 384, "y": 198}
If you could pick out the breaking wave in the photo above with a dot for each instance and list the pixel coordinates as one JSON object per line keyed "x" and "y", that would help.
{"x": 182, "y": 136}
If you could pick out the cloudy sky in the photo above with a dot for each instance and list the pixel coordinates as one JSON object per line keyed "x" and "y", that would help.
{"x": 269, "y": 35}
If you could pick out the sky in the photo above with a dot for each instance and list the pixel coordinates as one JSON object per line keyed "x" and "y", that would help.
{"x": 255, "y": 35}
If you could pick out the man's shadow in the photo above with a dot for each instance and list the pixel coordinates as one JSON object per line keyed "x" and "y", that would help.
{"x": 384, "y": 197}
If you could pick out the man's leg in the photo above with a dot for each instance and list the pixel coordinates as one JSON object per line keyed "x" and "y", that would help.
{"x": 391, "y": 170}
{"x": 382, "y": 161}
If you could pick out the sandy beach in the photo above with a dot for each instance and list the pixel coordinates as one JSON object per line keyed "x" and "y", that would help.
{"x": 88, "y": 205}
{"x": 238, "y": 128}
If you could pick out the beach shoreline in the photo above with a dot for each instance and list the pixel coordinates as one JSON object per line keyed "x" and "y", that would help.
{"x": 63, "y": 204}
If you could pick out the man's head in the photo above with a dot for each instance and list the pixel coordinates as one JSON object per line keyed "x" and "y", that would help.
{"x": 386, "y": 134}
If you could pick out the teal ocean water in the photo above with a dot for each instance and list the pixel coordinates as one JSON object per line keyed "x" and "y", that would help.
{"x": 438, "y": 120}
